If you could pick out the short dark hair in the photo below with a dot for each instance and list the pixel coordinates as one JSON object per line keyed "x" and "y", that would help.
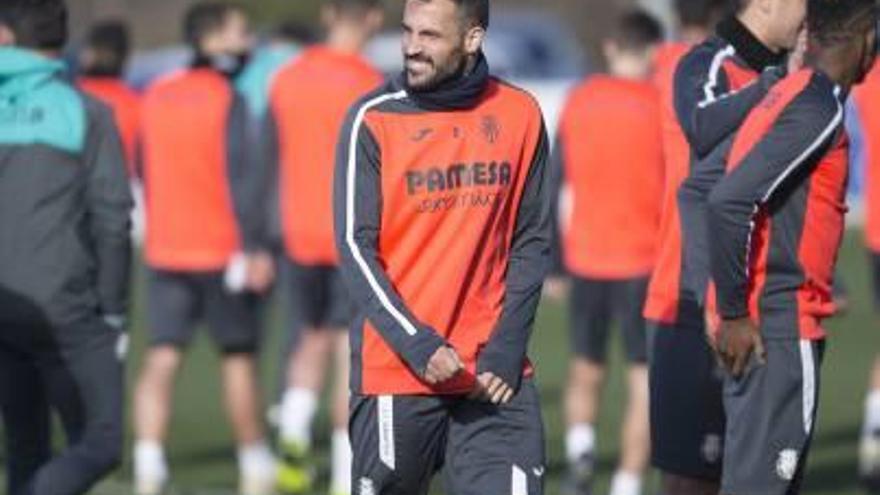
{"x": 111, "y": 43}
{"x": 205, "y": 18}
{"x": 294, "y": 32}
{"x": 832, "y": 21}
{"x": 637, "y": 30}
{"x": 703, "y": 13}
{"x": 473, "y": 12}
{"x": 355, "y": 7}
{"x": 36, "y": 24}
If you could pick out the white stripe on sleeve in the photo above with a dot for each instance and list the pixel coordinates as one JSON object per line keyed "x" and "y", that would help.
{"x": 351, "y": 183}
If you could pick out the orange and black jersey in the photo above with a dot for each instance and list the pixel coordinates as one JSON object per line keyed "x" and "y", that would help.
{"x": 778, "y": 215}
{"x": 308, "y": 103}
{"x": 715, "y": 86}
{"x": 204, "y": 196}
{"x": 666, "y": 59}
{"x": 662, "y": 301}
{"x": 867, "y": 105}
{"x": 611, "y": 154}
{"x": 125, "y": 103}
{"x": 442, "y": 210}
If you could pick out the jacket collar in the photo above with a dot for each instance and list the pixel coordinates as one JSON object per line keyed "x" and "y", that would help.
{"x": 755, "y": 54}
{"x": 23, "y": 70}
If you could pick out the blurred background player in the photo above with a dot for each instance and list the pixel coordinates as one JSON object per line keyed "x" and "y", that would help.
{"x": 778, "y": 221}
{"x": 687, "y": 414}
{"x": 695, "y": 20}
{"x": 284, "y": 43}
{"x": 102, "y": 62}
{"x": 64, "y": 262}
{"x": 281, "y": 46}
{"x": 611, "y": 155}
{"x": 308, "y": 104}
{"x": 205, "y": 243}
{"x": 864, "y": 119}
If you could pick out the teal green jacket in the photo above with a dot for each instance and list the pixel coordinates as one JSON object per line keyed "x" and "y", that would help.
{"x": 64, "y": 198}
{"x": 256, "y": 80}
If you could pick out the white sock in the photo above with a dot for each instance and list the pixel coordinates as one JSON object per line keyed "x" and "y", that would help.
{"x": 872, "y": 412}
{"x": 580, "y": 440}
{"x": 256, "y": 461}
{"x": 298, "y": 409}
{"x": 149, "y": 461}
{"x": 626, "y": 484}
{"x": 340, "y": 481}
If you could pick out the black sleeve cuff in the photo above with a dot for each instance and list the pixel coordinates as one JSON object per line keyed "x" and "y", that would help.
{"x": 506, "y": 365}
{"x": 421, "y": 348}
{"x": 729, "y": 311}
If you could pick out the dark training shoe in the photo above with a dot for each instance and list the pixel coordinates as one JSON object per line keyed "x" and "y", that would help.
{"x": 579, "y": 478}
{"x": 869, "y": 461}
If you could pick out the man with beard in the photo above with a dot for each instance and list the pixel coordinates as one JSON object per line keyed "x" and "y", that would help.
{"x": 446, "y": 298}
{"x": 205, "y": 243}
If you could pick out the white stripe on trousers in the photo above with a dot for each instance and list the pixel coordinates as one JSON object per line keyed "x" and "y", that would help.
{"x": 808, "y": 371}
{"x": 519, "y": 483}
{"x": 385, "y": 415}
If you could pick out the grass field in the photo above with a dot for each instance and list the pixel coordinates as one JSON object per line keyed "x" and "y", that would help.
{"x": 203, "y": 460}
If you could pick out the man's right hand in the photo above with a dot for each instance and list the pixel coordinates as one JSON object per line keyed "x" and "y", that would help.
{"x": 260, "y": 272}
{"x": 737, "y": 341}
{"x": 556, "y": 288}
{"x": 443, "y": 366}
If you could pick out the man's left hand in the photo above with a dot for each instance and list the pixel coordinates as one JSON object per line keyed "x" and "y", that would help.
{"x": 260, "y": 272}
{"x": 491, "y": 388}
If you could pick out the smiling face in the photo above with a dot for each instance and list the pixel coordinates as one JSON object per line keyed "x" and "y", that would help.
{"x": 437, "y": 42}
